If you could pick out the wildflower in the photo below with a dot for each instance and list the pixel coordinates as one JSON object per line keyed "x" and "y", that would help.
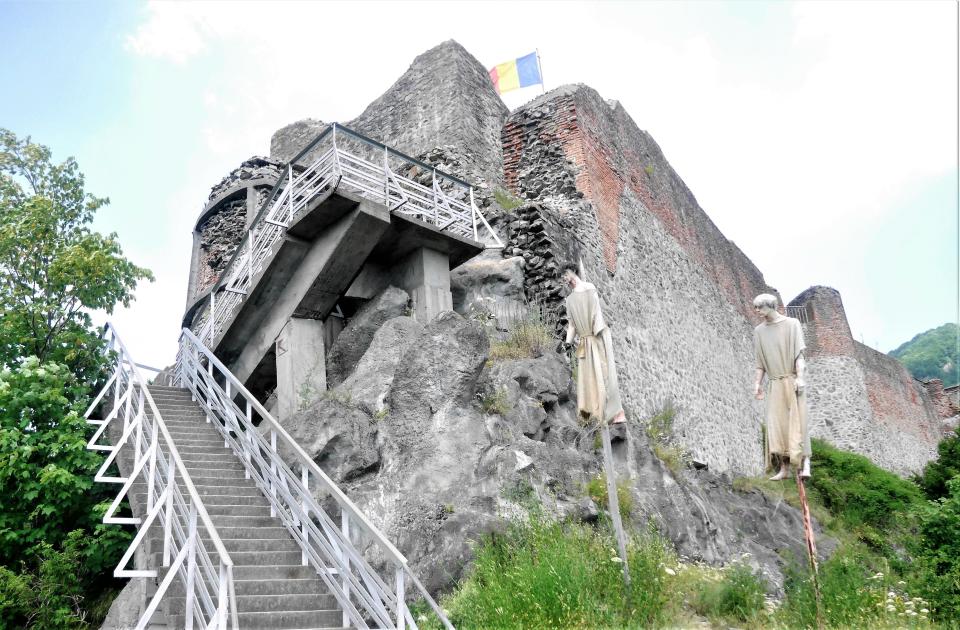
{"x": 669, "y": 571}
{"x": 616, "y": 559}
{"x": 924, "y": 610}
{"x": 422, "y": 619}
{"x": 890, "y": 608}
{"x": 891, "y": 594}
{"x": 901, "y": 583}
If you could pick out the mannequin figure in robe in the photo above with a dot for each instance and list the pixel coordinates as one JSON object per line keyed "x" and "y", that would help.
{"x": 598, "y": 395}
{"x": 778, "y": 342}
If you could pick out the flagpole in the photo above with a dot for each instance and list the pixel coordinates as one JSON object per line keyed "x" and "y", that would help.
{"x": 543, "y": 88}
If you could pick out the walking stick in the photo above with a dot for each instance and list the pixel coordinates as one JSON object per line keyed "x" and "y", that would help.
{"x": 811, "y": 544}
{"x": 613, "y": 502}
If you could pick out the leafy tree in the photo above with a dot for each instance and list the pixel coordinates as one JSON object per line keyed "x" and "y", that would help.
{"x": 938, "y": 472}
{"x": 938, "y": 557}
{"x": 53, "y": 269}
{"x": 933, "y": 354}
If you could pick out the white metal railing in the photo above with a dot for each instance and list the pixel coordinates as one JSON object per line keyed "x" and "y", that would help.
{"x": 801, "y": 313}
{"x": 192, "y": 549}
{"x": 367, "y": 598}
{"x": 344, "y": 159}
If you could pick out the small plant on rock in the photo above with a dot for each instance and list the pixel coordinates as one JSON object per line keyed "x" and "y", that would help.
{"x": 660, "y": 432}
{"x": 737, "y": 597}
{"x": 496, "y": 402}
{"x": 528, "y": 339}
{"x": 506, "y": 201}
{"x": 597, "y": 490}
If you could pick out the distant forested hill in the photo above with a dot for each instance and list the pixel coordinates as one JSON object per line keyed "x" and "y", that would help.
{"x": 932, "y": 354}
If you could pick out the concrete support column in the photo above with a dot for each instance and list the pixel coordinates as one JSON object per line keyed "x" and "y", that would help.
{"x": 425, "y": 275}
{"x": 301, "y": 365}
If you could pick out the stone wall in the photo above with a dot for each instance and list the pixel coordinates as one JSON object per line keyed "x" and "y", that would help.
{"x": 860, "y": 399}
{"x": 444, "y": 98}
{"x": 595, "y": 150}
{"x": 681, "y": 336}
{"x": 230, "y": 209}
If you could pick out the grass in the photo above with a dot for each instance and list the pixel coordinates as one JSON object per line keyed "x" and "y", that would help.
{"x": 542, "y": 573}
{"x": 660, "y": 432}
{"x": 505, "y": 200}
{"x": 528, "y": 339}
{"x": 597, "y": 490}
{"x": 737, "y": 596}
{"x": 496, "y": 402}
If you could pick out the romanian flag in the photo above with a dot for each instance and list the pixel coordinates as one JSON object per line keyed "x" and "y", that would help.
{"x": 521, "y": 72}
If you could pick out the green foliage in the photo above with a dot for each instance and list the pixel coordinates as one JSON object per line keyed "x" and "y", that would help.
{"x": 546, "y": 574}
{"x": 933, "y": 354}
{"x": 505, "y": 200}
{"x": 528, "y": 339}
{"x": 53, "y": 269}
{"x": 660, "y": 432}
{"x": 737, "y": 597}
{"x": 51, "y": 596}
{"x": 858, "y": 493}
{"x": 46, "y": 471}
{"x": 597, "y": 490}
{"x": 938, "y": 553}
{"x": 938, "y": 472}
{"x": 496, "y": 402}
{"x": 850, "y": 597}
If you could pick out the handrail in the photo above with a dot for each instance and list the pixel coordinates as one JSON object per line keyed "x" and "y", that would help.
{"x": 165, "y": 500}
{"x": 360, "y": 591}
{"x": 448, "y": 209}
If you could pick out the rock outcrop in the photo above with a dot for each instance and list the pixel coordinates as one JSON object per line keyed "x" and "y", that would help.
{"x": 435, "y": 471}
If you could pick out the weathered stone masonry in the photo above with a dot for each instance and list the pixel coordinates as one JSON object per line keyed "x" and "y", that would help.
{"x": 860, "y": 399}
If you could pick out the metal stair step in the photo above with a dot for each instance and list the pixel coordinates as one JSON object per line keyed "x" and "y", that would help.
{"x": 264, "y": 558}
{"x": 225, "y": 520}
{"x": 281, "y": 619}
{"x": 272, "y": 603}
{"x": 227, "y": 532}
{"x": 278, "y": 586}
{"x": 236, "y": 510}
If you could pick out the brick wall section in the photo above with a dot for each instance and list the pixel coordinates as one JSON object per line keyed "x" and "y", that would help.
{"x": 608, "y": 154}
{"x": 860, "y": 399}
{"x": 831, "y": 334}
{"x": 678, "y": 337}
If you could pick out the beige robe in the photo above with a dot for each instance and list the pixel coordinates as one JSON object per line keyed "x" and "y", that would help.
{"x": 598, "y": 394}
{"x": 777, "y": 346}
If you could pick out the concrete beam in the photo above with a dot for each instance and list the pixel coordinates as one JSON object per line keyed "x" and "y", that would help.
{"x": 425, "y": 275}
{"x": 301, "y": 365}
{"x": 301, "y": 276}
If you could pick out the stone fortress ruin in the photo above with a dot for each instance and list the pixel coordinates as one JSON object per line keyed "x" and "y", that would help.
{"x": 594, "y": 187}
{"x": 356, "y": 280}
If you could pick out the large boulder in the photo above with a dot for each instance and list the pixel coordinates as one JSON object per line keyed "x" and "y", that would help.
{"x": 288, "y": 141}
{"x": 370, "y": 382}
{"x": 488, "y": 282}
{"x": 353, "y": 341}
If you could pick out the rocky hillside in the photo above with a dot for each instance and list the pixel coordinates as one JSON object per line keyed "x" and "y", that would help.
{"x": 440, "y": 439}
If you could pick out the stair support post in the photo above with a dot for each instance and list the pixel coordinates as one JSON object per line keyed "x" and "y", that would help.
{"x": 249, "y": 438}
{"x": 168, "y": 511}
{"x": 152, "y": 463}
{"x": 401, "y": 604}
{"x": 191, "y": 566}
{"x": 305, "y": 480}
{"x": 345, "y": 562}
{"x": 273, "y": 473}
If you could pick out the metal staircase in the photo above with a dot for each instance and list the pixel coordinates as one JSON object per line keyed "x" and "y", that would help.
{"x": 233, "y": 537}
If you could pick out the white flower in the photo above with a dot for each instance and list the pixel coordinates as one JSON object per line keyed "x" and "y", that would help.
{"x": 669, "y": 571}
{"x": 615, "y": 559}
{"x": 924, "y": 610}
{"x": 890, "y": 608}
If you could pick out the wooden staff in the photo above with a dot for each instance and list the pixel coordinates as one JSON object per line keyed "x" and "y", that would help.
{"x": 613, "y": 502}
{"x": 811, "y": 543}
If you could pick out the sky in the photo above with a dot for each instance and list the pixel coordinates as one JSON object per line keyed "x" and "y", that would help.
{"x": 837, "y": 119}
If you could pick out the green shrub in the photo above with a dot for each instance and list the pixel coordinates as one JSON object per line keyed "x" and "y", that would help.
{"x": 737, "y": 597}
{"x": 547, "y": 574}
{"x": 528, "y": 339}
{"x": 857, "y": 492}
{"x": 505, "y": 200}
{"x": 937, "y": 473}
{"x": 597, "y": 490}
{"x": 845, "y": 588}
{"x": 938, "y": 553}
{"x": 660, "y": 432}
